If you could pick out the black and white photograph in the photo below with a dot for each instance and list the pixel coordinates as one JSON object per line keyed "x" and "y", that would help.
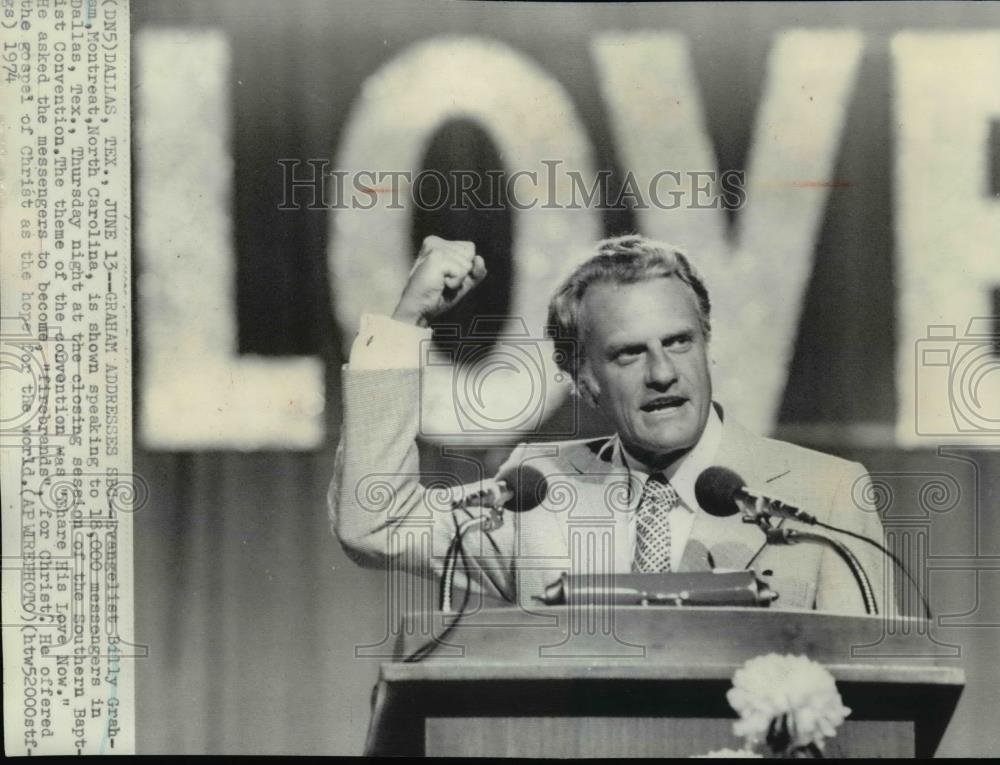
{"x": 509, "y": 379}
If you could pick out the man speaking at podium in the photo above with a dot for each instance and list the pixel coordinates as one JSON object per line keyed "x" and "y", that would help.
{"x": 635, "y": 320}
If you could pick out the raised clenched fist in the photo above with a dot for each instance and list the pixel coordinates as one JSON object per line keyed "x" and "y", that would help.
{"x": 444, "y": 273}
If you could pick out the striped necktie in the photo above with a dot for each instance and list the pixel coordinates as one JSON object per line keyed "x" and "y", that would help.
{"x": 652, "y": 526}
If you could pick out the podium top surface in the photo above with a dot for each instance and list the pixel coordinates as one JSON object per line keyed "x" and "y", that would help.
{"x": 663, "y": 643}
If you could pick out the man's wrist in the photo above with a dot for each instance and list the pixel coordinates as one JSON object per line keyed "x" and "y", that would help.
{"x": 405, "y": 316}
{"x": 385, "y": 342}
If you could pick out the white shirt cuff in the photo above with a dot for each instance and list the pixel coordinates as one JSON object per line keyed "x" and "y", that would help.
{"x": 384, "y": 343}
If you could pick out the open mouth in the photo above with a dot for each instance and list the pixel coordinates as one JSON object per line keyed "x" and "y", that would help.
{"x": 663, "y": 404}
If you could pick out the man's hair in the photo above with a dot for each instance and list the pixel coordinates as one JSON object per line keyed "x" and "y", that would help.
{"x": 628, "y": 259}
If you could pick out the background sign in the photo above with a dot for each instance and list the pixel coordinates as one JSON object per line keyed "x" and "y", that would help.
{"x": 853, "y": 287}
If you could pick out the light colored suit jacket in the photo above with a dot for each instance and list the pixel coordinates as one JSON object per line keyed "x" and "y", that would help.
{"x": 386, "y": 514}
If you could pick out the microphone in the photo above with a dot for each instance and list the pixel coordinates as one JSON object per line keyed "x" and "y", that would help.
{"x": 723, "y": 492}
{"x": 518, "y": 489}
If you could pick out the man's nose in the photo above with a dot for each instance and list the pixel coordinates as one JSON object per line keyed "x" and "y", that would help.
{"x": 660, "y": 369}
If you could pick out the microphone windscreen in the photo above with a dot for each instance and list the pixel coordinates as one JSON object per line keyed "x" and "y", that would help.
{"x": 716, "y": 490}
{"x": 528, "y": 486}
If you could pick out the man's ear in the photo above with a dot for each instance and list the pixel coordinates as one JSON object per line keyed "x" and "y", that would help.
{"x": 587, "y": 387}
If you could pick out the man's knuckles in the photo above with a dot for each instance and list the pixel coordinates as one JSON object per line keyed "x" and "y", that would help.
{"x": 459, "y": 247}
{"x": 448, "y": 261}
{"x": 478, "y": 272}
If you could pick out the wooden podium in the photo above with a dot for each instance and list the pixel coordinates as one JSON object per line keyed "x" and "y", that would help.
{"x": 648, "y": 682}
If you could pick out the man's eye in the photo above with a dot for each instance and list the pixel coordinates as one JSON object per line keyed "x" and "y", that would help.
{"x": 627, "y": 356}
{"x": 679, "y": 343}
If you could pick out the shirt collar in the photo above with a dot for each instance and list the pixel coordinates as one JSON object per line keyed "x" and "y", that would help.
{"x": 683, "y": 473}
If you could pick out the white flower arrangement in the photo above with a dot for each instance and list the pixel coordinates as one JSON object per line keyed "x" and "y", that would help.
{"x": 789, "y": 702}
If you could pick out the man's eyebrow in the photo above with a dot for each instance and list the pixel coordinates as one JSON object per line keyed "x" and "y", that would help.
{"x": 623, "y": 345}
{"x": 617, "y": 345}
{"x": 681, "y": 334}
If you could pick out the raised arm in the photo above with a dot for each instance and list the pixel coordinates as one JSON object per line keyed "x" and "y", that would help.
{"x": 383, "y": 511}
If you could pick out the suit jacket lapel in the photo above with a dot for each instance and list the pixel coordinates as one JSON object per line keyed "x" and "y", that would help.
{"x": 731, "y": 542}
{"x": 608, "y": 493}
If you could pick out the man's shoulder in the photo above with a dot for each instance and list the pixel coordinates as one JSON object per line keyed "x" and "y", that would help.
{"x": 777, "y": 453}
{"x": 805, "y": 455}
{"x": 579, "y": 455}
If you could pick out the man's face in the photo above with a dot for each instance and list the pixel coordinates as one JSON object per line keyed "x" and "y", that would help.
{"x": 646, "y": 362}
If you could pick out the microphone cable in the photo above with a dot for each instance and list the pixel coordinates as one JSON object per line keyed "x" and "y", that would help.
{"x": 888, "y": 554}
{"x": 787, "y": 536}
{"x": 455, "y": 550}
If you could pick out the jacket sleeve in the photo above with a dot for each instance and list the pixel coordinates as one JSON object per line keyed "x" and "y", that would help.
{"x": 384, "y": 512}
{"x": 852, "y": 509}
